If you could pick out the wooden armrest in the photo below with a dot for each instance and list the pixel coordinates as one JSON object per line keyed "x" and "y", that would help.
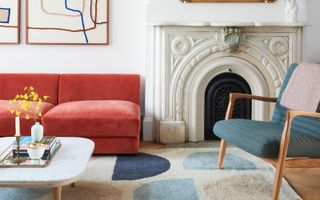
{"x": 235, "y": 96}
{"x": 291, "y": 114}
{"x": 294, "y": 113}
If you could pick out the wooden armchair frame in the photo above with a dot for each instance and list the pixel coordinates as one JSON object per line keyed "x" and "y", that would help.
{"x": 282, "y": 161}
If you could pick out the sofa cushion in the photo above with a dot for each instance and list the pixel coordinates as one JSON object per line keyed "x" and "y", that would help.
{"x": 263, "y": 138}
{"x": 7, "y": 120}
{"x": 44, "y": 84}
{"x": 97, "y": 118}
{"x": 79, "y": 87}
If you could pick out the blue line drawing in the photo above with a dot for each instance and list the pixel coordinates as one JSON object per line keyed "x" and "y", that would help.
{"x": 82, "y": 20}
{"x": 9, "y": 13}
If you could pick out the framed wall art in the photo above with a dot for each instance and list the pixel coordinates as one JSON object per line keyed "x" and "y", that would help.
{"x": 10, "y": 22}
{"x": 83, "y": 22}
{"x": 227, "y": 1}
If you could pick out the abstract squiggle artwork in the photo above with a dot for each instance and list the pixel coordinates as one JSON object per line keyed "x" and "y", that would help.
{"x": 67, "y": 21}
{"x": 9, "y": 21}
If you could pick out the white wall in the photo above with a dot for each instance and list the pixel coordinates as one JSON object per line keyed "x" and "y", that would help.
{"x": 125, "y": 54}
{"x": 312, "y": 33}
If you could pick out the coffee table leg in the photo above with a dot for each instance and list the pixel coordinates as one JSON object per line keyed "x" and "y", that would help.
{"x": 57, "y": 193}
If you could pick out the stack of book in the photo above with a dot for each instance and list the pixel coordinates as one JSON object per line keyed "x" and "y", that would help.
{"x": 51, "y": 144}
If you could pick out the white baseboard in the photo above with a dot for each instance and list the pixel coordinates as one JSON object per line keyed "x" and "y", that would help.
{"x": 148, "y": 129}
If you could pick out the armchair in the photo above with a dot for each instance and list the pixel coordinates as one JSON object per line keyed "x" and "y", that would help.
{"x": 291, "y": 139}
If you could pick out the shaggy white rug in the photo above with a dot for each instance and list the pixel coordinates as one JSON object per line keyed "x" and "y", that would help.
{"x": 170, "y": 174}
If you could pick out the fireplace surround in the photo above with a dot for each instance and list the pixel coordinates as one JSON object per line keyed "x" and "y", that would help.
{"x": 186, "y": 57}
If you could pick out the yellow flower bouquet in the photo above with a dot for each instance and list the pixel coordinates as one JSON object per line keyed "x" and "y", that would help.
{"x": 28, "y": 104}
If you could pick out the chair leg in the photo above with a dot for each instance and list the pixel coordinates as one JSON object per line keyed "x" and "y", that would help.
{"x": 278, "y": 179}
{"x": 284, "y": 144}
{"x": 223, "y": 147}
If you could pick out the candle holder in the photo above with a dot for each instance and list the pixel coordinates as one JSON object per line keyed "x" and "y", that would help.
{"x": 18, "y": 159}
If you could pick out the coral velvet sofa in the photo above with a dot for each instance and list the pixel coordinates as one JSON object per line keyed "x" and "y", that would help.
{"x": 102, "y": 107}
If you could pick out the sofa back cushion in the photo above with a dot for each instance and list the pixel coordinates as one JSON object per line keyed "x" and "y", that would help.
{"x": 78, "y": 87}
{"x": 44, "y": 84}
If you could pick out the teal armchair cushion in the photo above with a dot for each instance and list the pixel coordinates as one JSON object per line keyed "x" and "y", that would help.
{"x": 263, "y": 138}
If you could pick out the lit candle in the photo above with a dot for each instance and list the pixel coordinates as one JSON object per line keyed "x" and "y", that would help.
{"x": 17, "y": 126}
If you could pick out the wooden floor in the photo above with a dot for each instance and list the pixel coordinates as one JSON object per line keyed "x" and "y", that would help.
{"x": 306, "y": 182}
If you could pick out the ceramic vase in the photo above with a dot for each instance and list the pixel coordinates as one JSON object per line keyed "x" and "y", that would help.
{"x": 37, "y": 132}
{"x": 35, "y": 151}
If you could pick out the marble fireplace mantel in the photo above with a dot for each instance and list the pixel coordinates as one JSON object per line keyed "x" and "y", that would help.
{"x": 187, "y": 56}
{"x": 229, "y": 24}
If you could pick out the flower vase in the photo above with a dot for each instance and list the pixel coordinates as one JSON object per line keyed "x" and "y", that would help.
{"x": 37, "y": 132}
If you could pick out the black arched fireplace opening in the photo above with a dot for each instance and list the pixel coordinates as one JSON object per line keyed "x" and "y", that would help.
{"x": 217, "y": 99}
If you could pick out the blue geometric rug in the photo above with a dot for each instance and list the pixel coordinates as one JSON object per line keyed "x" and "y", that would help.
{"x": 169, "y": 174}
{"x": 140, "y": 166}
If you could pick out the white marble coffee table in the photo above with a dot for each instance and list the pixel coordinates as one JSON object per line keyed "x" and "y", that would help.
{"x": 67, "y": 165}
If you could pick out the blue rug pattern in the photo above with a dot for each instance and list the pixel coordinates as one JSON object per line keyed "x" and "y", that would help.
{"x": 170, "y": 189}
{"x": 133, "y": 167}
{"x": 168, "y": 174}
{"x": 209, "y": 160}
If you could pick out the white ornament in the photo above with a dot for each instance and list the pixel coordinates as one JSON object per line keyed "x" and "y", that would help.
{"x": 291, "y": 11}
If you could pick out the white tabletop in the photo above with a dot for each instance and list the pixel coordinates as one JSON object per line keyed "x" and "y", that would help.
{"x": 68, "y": 164}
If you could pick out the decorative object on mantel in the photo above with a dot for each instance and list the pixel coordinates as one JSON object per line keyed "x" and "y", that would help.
{"x": 230, "y": 38}
{"x": 10, "y": 22}
{"x": 82, "y": 22}
{"x": 227, "y": 1}
{"x": 29, "y": 105}
{"x": 291, "y": 11}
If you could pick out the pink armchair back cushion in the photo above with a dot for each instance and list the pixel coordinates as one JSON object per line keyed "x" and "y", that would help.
{"x": 303, "y": 89}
